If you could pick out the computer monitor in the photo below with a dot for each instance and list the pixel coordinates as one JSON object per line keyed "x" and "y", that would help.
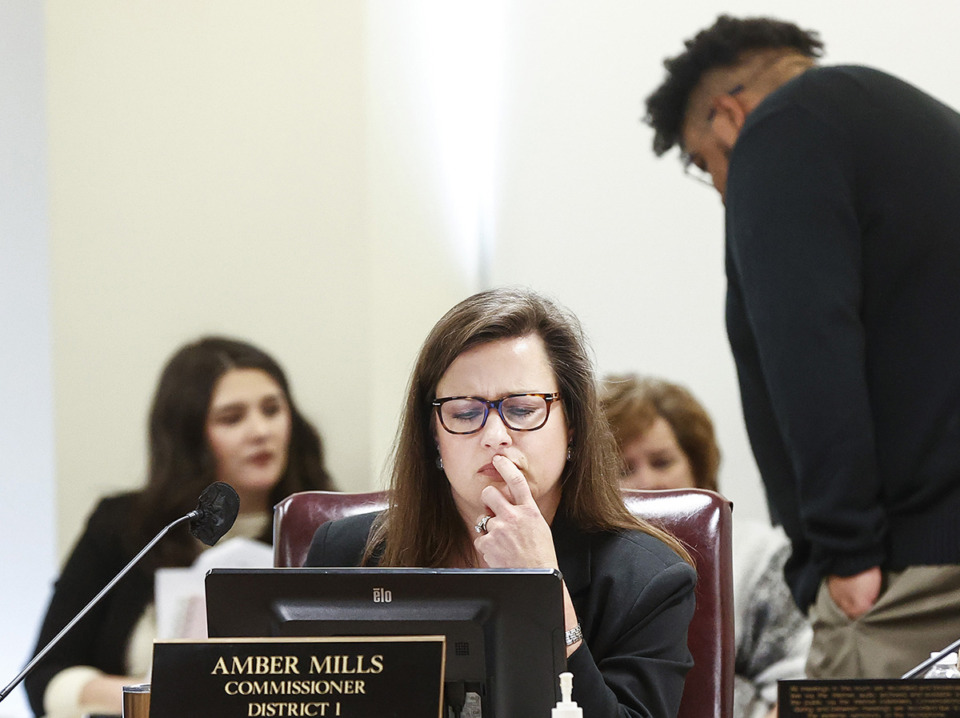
{"x": 504, "y": 627}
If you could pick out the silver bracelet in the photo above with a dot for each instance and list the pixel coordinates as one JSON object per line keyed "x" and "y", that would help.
{"x": 573, "y": 635}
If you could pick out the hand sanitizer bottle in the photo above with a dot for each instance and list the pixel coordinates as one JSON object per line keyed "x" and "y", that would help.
{"x": 566, "y": 708}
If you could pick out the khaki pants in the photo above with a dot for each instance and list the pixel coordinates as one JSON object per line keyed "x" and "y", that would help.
{"x": 917, "y": 613}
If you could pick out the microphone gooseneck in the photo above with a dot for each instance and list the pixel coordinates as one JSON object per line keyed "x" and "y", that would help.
{"x": 215, "y": 513}
{"x": 213, "y": 517}
{"x": 925, "y": 665}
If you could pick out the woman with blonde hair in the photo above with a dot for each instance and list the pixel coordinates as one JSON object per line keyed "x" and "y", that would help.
{"x": 503, "y": 460}
{"x": 667, "y": 441}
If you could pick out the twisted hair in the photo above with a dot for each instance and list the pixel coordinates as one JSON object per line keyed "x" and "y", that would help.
{"x": 721, "y": 45}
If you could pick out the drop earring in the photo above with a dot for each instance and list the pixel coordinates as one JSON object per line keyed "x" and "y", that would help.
{"x": 439, "y": 462}
{"x": 569, "y": 451}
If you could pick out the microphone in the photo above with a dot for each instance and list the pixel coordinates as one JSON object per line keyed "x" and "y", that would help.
{"x": 924, "y": 665}
{"x": 215, "y": 513}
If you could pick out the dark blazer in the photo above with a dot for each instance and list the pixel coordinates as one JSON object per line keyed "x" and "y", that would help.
{"x": 633, "y": 595}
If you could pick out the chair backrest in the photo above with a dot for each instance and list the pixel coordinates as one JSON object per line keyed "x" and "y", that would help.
{"x": 700, "y": 519}
{"x": 296, "y": 518}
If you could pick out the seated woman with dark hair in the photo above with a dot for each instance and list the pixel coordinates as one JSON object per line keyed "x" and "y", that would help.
{"x": 503, "y": 460}
{"x": 222, "y": 412}
{"x": 667, "y": 441}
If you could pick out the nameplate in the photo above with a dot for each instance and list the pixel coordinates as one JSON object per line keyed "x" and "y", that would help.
{"x": 882, "y": 698}
{"x": 398, "y": 676}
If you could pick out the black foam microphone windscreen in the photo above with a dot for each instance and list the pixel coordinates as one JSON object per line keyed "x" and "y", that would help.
{"x": 216, "y": 511}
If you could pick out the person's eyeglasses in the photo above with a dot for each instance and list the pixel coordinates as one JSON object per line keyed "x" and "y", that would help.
{"x": 693, "y": 170}
{"x": 520, "y": 412}
{"x": 690, "y": 161}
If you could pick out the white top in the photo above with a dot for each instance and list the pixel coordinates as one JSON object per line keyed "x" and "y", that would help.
{"x": 772, "y": 635}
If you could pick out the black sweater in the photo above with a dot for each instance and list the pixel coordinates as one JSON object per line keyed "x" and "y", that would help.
{"x": 843, "y": 312}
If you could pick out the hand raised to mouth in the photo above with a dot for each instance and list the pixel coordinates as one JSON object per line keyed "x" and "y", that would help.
{"x": 517, "y": 535}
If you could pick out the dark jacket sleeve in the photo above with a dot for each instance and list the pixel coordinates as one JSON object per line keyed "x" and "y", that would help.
{"x": 634, "y": 609}
{"x": 100, "y": 639}
{"x": 340, "y": 543}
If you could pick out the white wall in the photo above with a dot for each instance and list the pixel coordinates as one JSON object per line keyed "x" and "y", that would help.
{"x": 27, "y": 516}
{"x": 326, "y": 177}
{"x": 588, "y": 213}
{"x": 304, "y": 175}
{"x": 208, "y": 164}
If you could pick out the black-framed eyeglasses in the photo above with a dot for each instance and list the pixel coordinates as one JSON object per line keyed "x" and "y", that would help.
{"x": 693, "y": 169}
{"x": 690, "y": 161}
{"x": 520, "y": 412}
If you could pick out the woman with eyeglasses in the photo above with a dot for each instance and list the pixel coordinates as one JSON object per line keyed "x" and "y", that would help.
{"x": 504, "y": 460}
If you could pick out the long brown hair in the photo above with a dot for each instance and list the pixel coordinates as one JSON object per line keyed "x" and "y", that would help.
{"x": 181, "y": 464}
{"x": 422, "y": 527}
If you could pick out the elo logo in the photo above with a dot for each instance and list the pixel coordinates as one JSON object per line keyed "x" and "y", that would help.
{"x": 382, "y": 595}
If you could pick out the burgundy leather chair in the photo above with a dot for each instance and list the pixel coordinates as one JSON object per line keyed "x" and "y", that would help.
{"x": 296, "y": 518}
{"x": 700, "y": 519}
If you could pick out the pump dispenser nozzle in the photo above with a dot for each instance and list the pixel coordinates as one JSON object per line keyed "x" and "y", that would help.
{"x": 566, "y": 708}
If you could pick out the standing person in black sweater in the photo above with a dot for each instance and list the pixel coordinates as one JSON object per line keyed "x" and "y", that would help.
{"x": 842, "y": 194}
{"x": 223, "y": 411}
